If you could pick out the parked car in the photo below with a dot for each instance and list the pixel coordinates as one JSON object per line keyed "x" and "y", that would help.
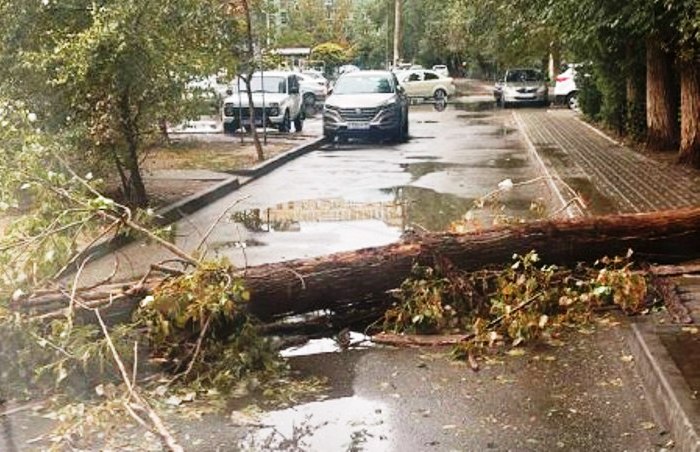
{"x": 312, "y": 89}
{"x": 565, "y": 91}
{"x": 441, "y": 69}
{"x": 426, "y": 84}
{"x": 522, "y": 86}
{"x": 277, "y": 102}
{"x": 368, "y": 104}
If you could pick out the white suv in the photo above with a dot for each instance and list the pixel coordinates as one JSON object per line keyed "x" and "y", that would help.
{"x": 276, "y": 99}
{"x": 565, "y": 91}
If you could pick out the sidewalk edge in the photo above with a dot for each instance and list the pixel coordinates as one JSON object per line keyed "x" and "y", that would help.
{"x": 665, "y": 387}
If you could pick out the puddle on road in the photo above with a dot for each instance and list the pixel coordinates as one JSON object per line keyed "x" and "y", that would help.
{"x": 348, "y": 423}
{"x": 475, "y": 106}
{"x": 420, "y": 169}
{"x": 594, "y": 199}
{"x": 326, "y": 345}
{"x": 474, "y": 115}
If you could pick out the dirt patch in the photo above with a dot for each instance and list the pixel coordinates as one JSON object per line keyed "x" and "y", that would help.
{"x": 217, "y": 155}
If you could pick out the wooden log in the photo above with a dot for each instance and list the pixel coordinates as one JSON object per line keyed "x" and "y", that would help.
{"x": 351, "y": 280}
{"x": 321, "y": 283}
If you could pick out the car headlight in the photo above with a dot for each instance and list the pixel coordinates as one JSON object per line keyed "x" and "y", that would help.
{"x": 331, "y": 108}
{"x": 389, "y": 103}
{"x": 541, "y": 89}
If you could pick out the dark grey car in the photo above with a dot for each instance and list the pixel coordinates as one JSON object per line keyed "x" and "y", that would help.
{"x": 366, "y": 104}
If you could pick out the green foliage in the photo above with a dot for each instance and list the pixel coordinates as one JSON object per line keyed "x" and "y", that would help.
{"x": 332, "y": 55}
{"x": 107, "y": 76}
{"x": 517, "y": 304}
{"x": 199, "y": 321}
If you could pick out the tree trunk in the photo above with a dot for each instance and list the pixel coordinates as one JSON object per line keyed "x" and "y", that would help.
{"x": 135, "y": 190}
{"x": 353, "y": 277}
{"x": 662, "y": 105}
{"x": 355, "y": 280}
{"x": 635, "y": 87}
{"x": 690, "y": 113}
{"x": 251, "y": 56}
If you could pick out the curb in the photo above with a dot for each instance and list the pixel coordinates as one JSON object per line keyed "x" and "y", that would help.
{"x": 180, "y": 209}
{"x": 268, "y": 166}
{"x": 670, "y": 397}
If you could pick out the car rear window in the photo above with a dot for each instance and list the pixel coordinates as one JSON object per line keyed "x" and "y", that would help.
{"x": 363, "y": 85}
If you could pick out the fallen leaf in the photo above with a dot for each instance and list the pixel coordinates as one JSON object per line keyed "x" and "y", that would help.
{"x": 647, "y": 425}
{"x": 449, "y": 427}
{"x": 626, "y": 358}
{"x": 173, "y": 400}
{"x": 690, "y": 329}
{"x": 516, "y": 352}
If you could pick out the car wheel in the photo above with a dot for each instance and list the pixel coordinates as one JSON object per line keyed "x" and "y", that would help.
{"x": 572, "y": 101}
{"x": 230, "y": 127}
{"x": 440, "y": 94}
{"x": 286, "y": 123}
{"x": 298, "y": 122}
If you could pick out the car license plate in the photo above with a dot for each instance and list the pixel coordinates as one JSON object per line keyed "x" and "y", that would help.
{"x": 358, "y": 125}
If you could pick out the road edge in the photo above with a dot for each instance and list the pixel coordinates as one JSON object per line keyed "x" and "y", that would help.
{"x": 666, "y": 389}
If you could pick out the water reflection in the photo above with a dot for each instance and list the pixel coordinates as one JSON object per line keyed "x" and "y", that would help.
{"x": 348, "y": 423}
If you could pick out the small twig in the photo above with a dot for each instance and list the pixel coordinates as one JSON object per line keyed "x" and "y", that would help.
{"x": 198, "y": 347}
{"x": 156, "y": 421}
{"x": 500, "y": 318}
{"x": 71, "y": 304}
{"x": 565, "y": 206}
{"x": 216, "y": 222}
{"x": 134, "y": 370}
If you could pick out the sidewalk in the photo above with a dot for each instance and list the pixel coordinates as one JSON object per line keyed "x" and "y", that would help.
{"x": 612, "y": 178}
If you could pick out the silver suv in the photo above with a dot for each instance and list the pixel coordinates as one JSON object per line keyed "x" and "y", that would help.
{"x": 368, "y": 104}
{"x": 276, "y": 100}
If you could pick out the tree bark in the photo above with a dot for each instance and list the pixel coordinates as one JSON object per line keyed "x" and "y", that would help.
{"x": 135, "y": 190}
{"x": 355, "y": 280}
{"x": 690, "y": 113}
{"x": 662, "y": 105}
{"x": 251, "y": 56}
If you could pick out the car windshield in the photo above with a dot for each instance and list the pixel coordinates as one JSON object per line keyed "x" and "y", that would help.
{"x": 524, "y": 75}
{"x": 265, "y": 83}
{"x": 363, "y": 85}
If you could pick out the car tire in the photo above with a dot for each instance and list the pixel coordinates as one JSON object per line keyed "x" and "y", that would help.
{"x": 309, "y": 104}
{"x": 572, "y": 101}
{"x": 298, "y": 122}
{"x": 286, "y": 123}
{"x": 440, "y": 94}
{"x": 230, "y": 127}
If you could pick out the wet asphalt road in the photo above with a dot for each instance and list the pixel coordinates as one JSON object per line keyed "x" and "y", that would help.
{"x": 355, "y": 195}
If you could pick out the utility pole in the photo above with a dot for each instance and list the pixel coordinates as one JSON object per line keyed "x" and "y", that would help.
{"x": 397, "y": 31}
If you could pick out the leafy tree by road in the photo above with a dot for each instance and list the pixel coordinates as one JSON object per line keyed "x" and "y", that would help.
{"x": 110, "y": 74}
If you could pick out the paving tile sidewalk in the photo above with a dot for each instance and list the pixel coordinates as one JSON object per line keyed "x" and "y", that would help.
{"x": 612, "y": 178}
{"x": 616, "y": 179}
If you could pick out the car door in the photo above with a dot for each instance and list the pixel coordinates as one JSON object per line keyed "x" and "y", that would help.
{"x": 430, "y": 81}
{"x": 411, "y": 82}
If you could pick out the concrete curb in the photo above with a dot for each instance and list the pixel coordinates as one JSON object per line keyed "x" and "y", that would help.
{"x": 174, "y": 212}
{"x": 666, "y": 389}
{"x": 270, "y": 165}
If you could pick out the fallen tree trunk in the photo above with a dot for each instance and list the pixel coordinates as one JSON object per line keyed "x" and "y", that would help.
{"x": 339, "y": 279}
{"x": 352, "y": 280}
